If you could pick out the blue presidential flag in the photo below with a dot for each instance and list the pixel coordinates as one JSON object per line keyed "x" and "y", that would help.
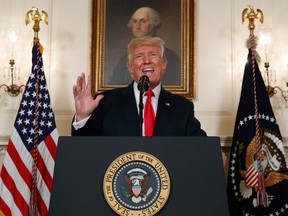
{"x": 257, "y": 182}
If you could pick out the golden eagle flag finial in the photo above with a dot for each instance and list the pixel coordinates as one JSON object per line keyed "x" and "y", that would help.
{"x": 251, "y": 16}
{"x": 34, "y": 15}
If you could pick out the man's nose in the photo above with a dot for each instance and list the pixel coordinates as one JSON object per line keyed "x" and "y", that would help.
{"x": 138, "y": 24}
{"x": 146, "y": 59}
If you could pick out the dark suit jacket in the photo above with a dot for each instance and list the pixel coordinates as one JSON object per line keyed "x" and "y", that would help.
{"x": 117, "y": 115}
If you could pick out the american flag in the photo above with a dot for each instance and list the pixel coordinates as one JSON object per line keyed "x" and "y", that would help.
{"x": 252, "y": 175}
{"x": 28, "y": 166}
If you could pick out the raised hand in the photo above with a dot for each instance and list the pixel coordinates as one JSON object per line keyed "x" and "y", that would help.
{"x": 84, "y": 101}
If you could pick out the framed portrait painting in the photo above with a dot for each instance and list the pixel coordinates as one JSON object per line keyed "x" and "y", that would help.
{"x": 111, "y": 32}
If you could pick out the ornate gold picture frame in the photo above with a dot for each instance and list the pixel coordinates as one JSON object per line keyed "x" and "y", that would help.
{"x": 110, "y": 36}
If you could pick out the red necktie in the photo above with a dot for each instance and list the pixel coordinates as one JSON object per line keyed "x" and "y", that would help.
{"x": 149, "y": 115}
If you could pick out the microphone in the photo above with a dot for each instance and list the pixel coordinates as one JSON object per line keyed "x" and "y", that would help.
{"x": 143, "y": 84}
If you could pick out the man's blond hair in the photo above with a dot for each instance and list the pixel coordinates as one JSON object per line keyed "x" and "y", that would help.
{"x": 146, "y": 40}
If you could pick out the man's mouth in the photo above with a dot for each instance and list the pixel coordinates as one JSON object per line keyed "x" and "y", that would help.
{"x": 148, "y": 70}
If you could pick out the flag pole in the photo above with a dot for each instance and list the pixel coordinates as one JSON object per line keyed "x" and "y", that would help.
{"x": 252, "y": 43}
{"x": 34, "y": 15}
{"x": 257, "y": 179}
{"x": 251, "y": 16}
{"x": 29, "y": 161}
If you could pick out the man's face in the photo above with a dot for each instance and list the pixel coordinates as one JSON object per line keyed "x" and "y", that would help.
{"x": 147, "y": 60}
{"x": 141, "y": 25}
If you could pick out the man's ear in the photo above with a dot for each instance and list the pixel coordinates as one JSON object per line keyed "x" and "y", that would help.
{"x": 164, "y": 61}
{"x": 165, "y": 64}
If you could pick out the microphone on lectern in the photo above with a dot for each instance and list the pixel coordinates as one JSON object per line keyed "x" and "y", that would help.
{"x": 143, "y": 84}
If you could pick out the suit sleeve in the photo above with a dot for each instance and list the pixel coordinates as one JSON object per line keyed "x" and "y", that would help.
{"x": 193, "y": 125}
{"x": 91, "y": 128}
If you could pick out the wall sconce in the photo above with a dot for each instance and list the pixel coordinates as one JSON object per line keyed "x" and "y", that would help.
{"x": 265, "y": 42}
{"x": 273, "y": 90}
{"x": 12, "y": 40}
{"x": 12, "y": 89}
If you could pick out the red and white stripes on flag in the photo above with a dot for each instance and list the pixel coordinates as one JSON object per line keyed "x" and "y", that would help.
{"x": 252, "y": 175}
{"x": 28, "y": 166}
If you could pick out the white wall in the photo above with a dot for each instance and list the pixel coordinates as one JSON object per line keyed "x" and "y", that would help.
{"x": 220, "y": 48}
{"x": 220, "y": 66}
{"x": 66, "y": 54}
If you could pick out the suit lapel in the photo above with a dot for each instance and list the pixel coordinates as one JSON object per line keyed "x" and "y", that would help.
{"x": 130, "y": 110}
{"x": 129, "y": 107}
{"x": 163, "y": 113}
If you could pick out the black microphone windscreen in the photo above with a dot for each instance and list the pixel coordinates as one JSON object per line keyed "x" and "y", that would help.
{"x": 144, "y": 83}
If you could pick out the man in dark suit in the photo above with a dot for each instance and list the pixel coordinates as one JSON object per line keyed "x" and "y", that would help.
{"x": 116, "y": 112}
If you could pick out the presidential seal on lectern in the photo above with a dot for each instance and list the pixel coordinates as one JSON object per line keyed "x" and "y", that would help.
{"x": 136, "y": 184}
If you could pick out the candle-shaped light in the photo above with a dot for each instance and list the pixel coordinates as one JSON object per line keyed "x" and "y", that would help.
{"x": 266, "y": 53}
{"x": 12, "y": 38}
{"x": 285, "y": 72}
{"x": 265, "y": 41}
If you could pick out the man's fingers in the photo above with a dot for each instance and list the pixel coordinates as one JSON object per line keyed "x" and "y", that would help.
{"x": 75, "y": 93}
{"x": 83, "y": 81}
{"x": 98, "y": 99}
{"x": 79, "y": 83}
{"x": 89, "y": 82}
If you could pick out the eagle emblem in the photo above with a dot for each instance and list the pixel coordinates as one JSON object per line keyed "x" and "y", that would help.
{"x": 137, "y": 181}
{"x": 133, "y": 186}
{"x": 273, "y": 163}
